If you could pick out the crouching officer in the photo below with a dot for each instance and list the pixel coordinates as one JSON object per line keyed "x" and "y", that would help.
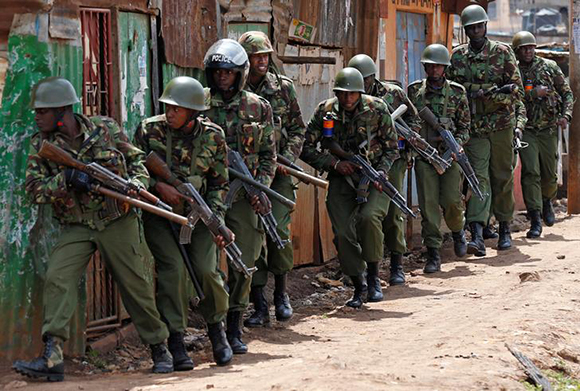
{"x": 448, "y": 101}
{"x": 289, "y": 130}
{"x": 357, "y": 227}
{"x": 247, "y": 120}
{"x": 549, "y": 103}
{"x": 394, "y": 223}
{"x": 195, "y": 151}
{"x": 89, "y": 223}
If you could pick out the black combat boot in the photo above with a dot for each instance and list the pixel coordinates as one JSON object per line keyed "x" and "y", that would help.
{"x": 261, "y": 315}
{"x": 181, "y": 361}
{"x": 375, "y": 292}
{"x": 222, "y": 352}
{"x": 489, "y": 232}
{"x": 281, "y": 299}
{"x": 459, "y": 243}
{"x": 360, "y": 288}
{"x": 234, "y": 333}
{"x": 476, "y": 246}
{"x": 162, "y": 360}
{"x": 433, "y": 264}
{"x": 536, "y": 224}
{"x": 397, "y": 273}
{"x": 548, "y": 212}
{"x": 505, "y": 239}
{"x": 49, "y": 365}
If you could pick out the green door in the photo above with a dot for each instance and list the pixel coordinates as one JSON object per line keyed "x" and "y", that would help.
{"x": 135, "y": 69}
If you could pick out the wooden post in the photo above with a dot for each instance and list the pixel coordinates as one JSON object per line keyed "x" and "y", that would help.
{"x": 574, "y": 148}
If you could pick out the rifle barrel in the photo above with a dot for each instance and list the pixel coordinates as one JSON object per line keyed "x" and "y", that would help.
{"x": 306, "y": 178}
{"x": 283, "y": 200}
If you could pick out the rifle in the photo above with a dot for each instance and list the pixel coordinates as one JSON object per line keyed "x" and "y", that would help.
{"x": 297, "y": 172}
{"x": 453, "y": 147}
{"x": 238, "y": 166}
{"x": 423, "y": 148}
{"x": 60, "y": 156}
{"x": 104, "y": 176}
{"x": 249, "y": 180}
{"x": 370, "y": 174}
{"x": 199, "y": 210}
{"x": 484, "y": 93}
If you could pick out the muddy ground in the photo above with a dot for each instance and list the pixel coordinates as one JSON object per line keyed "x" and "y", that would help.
{"x": 446, "y": 331}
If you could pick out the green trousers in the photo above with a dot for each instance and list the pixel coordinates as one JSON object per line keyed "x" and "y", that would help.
{"x": 436, "y": 191}
{"x": 243, "y": 222}
{"x": 394, "y": 223}
{"x": 539, "y": 165}
{"x": 491, "y": 157}
{"x": 122, "y": 248}
{"x": 272, "y": 259}
{"x": 358, "y": 229}
{"x": 172, "y": 281}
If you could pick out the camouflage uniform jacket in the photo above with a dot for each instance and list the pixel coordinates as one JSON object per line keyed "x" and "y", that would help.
{"x": 455, "y": 118}
{"x": 370, "y": 119}
{"x": 199, "y": 157}
{"x": 288, "y": 124}
{"x": 544, "y": 112}
{"x": 247, "y": 122}
{"x": 495, "y": 65}
{"x": 103, "y": 142}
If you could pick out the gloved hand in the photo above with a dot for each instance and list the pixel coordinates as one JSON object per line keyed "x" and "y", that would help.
{"x": 79, "y": 180}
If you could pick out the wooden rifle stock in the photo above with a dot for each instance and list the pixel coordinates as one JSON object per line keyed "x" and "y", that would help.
{"x": 58, "y": 155}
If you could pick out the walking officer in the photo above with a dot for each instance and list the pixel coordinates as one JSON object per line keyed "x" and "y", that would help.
{"x": 247, "y": 121}
{"x": 289, "y": 131}
{"x": 394, "y": 96}
{"x": 357, "y": 118}
{"x": 488, "y": 71}
{"x": 448, "y": 101}
{"x": 194, "y": 149}
{"x": 549, "y": 103}
{"x": 88, "y": 223}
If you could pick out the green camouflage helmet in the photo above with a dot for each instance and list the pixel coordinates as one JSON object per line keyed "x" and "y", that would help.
{"x": 53, "y": 92}
{"x": 473, "y": 14}
{"x": 364, "y": 64}
{"x": 523, "y": 38}
{"x": 184, "y": 91}
{"x": 349, "y": 79}
{"x": 435, "y": 54}
{"x": 255, "y": 42}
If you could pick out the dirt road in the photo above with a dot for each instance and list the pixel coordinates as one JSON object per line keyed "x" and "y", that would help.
{"x": 442, "y": 332}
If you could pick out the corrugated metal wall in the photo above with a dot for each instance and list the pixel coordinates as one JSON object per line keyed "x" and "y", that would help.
{"x": 27, "y": 232}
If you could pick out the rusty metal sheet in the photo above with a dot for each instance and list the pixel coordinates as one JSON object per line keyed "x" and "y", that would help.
{"x": 188, "y": 28}
{"x": 64, "y": 23}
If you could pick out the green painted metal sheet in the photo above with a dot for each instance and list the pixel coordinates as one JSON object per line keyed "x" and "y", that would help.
{"x": 135, "y": 68}
{"x": 170, "y": 71}
{"x": 27, "y": 232}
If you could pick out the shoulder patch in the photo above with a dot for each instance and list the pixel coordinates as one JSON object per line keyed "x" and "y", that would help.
{"x": 154, "y": 119}
{"x": 457, "y": 86}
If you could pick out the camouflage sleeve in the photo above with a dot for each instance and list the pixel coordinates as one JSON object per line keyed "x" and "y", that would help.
{"x": 455, "y": 71}
{"x": 462, "y": 120}
{"x": 142, "y": 142}
{"x": 295, "y": 127}
{"x": 385, "y": 133}
{"x": 563, "y": 88}
{"x": 43, "y": 187}
{"x": 521, "y": 116}
{"x": 134, "y": 157}
{"x": 411, "y": 116}
{"x": 217, "y": 177}
{"x": 267, "y": 152}
{"x": 310, "y": 153}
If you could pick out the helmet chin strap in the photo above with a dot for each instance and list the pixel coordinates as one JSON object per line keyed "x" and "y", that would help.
{"x": 191, "y": 120}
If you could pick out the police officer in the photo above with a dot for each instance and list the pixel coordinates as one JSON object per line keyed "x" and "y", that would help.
{"x": 394, "y": 96}
{"x": 289, "y": 130}
{"x": 480, "y": 66}
{"x": 357, "y": 118}
{"x": 247, "y": 120}
{"x": 194, "y": 149}
{"x": 549, "y": 103}
{"x": 88, "y": 224}
{"x": 448, "y": 101}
